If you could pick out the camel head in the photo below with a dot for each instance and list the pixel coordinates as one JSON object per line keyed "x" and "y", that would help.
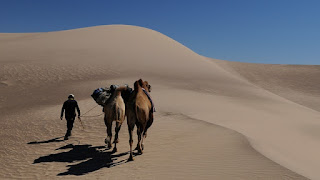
{"x": 143, "y": 84}
{"x": 147, "y": 86}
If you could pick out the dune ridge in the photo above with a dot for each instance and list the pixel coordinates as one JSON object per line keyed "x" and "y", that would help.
{"x": 40, "y": 69}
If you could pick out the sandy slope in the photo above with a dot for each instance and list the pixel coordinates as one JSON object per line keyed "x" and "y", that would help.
{"x": 297, "y": 83}
{"x": 179, "y": 147}
{"x": 192, "y": 93}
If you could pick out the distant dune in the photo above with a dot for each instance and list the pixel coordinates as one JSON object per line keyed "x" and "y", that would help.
{"x": 213, "y": 116}
{"x": 297, "y": 83}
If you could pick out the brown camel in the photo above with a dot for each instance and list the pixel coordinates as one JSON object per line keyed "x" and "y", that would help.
{"x": 139, "y": 112}
{"x": 114, "y": 110}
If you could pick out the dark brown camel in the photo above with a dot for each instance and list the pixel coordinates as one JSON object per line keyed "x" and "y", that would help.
{"x": 139, "y": 112}
{"x": 114, "y": 110}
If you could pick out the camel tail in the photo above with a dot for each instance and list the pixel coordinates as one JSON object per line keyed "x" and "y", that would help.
{"x": 117, "y": 111}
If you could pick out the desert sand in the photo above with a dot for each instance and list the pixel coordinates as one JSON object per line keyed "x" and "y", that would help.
{"x": 215, "y": 119}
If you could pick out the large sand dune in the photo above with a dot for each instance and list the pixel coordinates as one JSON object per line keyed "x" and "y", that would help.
{"x": 216, "y": 119}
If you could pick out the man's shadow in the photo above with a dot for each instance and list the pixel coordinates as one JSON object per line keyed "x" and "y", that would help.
{"x": 92, "y": 159}
{"x": 57, "y": 139}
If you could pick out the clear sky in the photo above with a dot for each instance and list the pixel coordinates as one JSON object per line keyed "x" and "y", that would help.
{"x": 260, "y": 31}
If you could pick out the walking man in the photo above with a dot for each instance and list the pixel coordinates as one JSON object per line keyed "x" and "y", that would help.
{"x": 70, "y": 107}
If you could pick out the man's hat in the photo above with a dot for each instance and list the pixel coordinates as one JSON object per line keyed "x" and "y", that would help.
{"x": 71, "y": 96}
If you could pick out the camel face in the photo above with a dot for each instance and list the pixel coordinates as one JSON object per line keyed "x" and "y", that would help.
{"x": 147, "y": 86}
{"x": 144, "y": 84}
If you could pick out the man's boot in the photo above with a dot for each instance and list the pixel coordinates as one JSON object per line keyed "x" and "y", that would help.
{"x": 68, "y": 133}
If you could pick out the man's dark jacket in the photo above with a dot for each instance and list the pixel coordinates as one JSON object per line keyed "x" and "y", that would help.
{"x": 70, "y": 107}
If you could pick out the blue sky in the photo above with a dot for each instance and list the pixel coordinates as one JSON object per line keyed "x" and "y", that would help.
{"x": 260, "y": 31}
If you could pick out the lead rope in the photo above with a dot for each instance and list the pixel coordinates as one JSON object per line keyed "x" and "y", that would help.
{"x": 91, "y": 110}
{"x": 88, "y": 116}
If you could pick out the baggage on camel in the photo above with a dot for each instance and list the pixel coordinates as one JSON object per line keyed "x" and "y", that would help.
{"x": 101, "y": 95}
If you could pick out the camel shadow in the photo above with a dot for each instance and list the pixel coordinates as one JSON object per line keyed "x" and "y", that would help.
{"x": 90, "y": 159}
{"x": 57, "y": 139}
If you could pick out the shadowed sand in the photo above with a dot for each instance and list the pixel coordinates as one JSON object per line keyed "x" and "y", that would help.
{"x": 197, "y": 99}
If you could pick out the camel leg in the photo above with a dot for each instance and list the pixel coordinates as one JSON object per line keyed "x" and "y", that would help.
{"x": 144, "y": 135}
{"x": 131, "y": 121}
{"x": 130, "y": 143}
{"x": 140, "y": 140}
{"x": 149, "y": 123}
{"x": 138, "y": 132}
{"x": 117, "y": 129}
{"x": 116, "y": 138}
{"x": 109, "y": 133}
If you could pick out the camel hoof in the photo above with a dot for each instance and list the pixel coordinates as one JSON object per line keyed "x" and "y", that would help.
{"x": 140, "y": 151}
{"x": 109, "y": 146}
{"x": 131, "y": 158}
{"x": 108, "y": 143}
{"x": 115, "y": 149}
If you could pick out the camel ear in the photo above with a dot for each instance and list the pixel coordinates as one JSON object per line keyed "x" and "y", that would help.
{"x": 149, "y": 87}
{"x": 140, "y": 82}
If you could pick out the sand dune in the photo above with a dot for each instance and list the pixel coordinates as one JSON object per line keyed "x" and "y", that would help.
{"x": 297, "y": 83}
{"x": 267, "y": 107}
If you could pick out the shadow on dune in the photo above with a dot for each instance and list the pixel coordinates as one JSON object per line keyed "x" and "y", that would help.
{"x": 57, "y": 139}
{"x": 91, "y": 159}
